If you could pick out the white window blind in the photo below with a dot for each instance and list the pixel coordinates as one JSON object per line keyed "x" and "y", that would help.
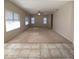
{"x": 45, "y": 20}
{"x": 32, "y": 20}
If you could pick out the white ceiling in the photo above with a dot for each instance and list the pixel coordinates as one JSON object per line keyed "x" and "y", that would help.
{"x": 45, "y": 6}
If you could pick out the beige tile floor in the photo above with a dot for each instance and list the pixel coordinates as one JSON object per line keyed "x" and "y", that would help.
{"x": 38, "y": 43}
{"x": 39, "y": 51}
{"x": 39, "y": 35}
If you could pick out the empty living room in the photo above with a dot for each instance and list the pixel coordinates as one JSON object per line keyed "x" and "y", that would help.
{"x": 39, "y": 29}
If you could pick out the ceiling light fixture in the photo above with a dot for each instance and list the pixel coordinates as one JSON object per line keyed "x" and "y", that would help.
{"x": 38, "y": 13}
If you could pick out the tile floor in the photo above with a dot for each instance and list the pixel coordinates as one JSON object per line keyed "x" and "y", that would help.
{"x": 36, "y": 43}
{"x": 39, "y": 51}
{"x": 39, "y": 35}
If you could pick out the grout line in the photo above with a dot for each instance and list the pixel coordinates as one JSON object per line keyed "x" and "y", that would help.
{"x": 68, "y": 49}
{"x": 49, "y": 49}
{"x": 59, "y": 50}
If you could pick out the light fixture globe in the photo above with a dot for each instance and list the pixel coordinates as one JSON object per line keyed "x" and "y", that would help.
{"x": 39, "y": 13}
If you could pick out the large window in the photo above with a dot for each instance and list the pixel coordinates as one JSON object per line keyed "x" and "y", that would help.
{"x": 26, "y": 20}
{"x": 32, "y": 20}
{"x": 45, "y": 20}
{"x": 12, "y": 20}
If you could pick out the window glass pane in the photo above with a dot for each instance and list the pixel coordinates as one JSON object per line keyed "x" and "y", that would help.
{"x": 26, "y": 21}
{"x": 44, "y": 20}
{"x": 9, "y": 15}
{"x": 32, "y": 20}
{"x": 16, "y": 17}
{"x": 10, "y": 23}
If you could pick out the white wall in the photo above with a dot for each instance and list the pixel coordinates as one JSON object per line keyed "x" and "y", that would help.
{"x": 63, "y": 21}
